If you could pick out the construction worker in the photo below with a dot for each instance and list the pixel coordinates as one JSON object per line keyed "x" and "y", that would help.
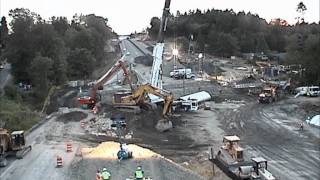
{"x": 98, "y": 175}
{"x": 301, "y": 126}
{"x": 105, "y": 174}
{"x": 139, "y": 174}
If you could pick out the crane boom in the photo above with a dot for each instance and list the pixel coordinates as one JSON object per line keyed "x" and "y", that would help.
{"x": 164, "y": 20}
{"x": 106, "y": 77}
{"x": 156, "y": 72}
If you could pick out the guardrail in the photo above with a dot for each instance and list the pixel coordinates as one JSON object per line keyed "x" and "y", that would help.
{"x": 247, "y": 85}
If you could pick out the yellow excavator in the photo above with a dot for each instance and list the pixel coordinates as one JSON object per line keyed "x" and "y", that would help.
{"x": 13, "y": 144}
{"x": 139, "y": 97}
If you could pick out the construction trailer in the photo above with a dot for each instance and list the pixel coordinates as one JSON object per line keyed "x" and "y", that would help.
{"x": 192, "y": 102}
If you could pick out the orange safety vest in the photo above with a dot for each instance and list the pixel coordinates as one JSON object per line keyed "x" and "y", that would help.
{"x": 98, "y": 176}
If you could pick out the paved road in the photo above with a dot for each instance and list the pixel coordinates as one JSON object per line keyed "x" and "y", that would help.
{"x": 48, "y": 141}
{"x": 143, "y": 47}
{"x": 142, "y": 71}
{"x": 5, "y": 75}
{"x": 126, "y": 47}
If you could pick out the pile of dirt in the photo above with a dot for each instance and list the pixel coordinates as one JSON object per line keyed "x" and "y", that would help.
{"x": 144, "y": 132}
{"x": 108, "y": 150}
{"x": 102, "y": 126}
{"x": 212, "y": 69}
{"x": 311, "y": 108}
{"x": 150, "y": 48}
{"x": 208, "y": 67}
{"x": 72, "y": 116}
{"x": 64, "y": 97}
{"x": 249, "y": 79}
{"x": 105, "y": 155}
{"x": 145, "y": 60}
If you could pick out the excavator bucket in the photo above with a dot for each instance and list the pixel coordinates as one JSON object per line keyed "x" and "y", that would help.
{"x": 164, "y": 125}
{"x": 3, "y": 162}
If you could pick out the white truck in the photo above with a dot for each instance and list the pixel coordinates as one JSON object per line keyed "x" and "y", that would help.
{"x": 192, "y": 102}
{"x": 311, "y": 91}
{"x": 182, "y": 73}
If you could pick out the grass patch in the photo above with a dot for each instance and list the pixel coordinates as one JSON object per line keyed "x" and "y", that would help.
{"x": 16, "y": 116}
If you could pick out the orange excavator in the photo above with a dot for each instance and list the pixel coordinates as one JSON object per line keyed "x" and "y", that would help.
{"x": 91, "y": 99}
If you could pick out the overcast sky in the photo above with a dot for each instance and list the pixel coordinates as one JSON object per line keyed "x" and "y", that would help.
{"x": 126, "y": 16}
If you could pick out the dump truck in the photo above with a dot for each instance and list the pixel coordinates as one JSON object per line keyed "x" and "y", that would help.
{"x": 13, "y": 144}
{"x": 268, "y": 95}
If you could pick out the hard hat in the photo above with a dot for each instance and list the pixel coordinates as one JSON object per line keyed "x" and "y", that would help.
{"x": 104, "y": 169}
{"x": 139, "y": 168}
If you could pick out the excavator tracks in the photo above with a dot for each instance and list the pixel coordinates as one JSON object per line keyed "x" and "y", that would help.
{"x": 21, "y": 153}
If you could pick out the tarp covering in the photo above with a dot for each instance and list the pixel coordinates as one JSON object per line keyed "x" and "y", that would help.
{"x": 315, "y": 121}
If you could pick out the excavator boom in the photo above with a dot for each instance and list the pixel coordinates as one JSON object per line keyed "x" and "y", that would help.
{"x": 139, "y": 97}
{"x": 92, "y": 99}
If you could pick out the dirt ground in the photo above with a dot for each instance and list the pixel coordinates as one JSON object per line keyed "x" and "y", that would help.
{"x": 104, "y": 155}
{"x": 267, "y": 130}
{"x": 72, "y": 116}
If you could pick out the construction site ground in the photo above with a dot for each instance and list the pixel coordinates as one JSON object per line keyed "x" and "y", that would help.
{"x": 267, "y": 130}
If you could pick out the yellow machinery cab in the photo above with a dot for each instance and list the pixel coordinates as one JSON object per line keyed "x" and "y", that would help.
{"x": 231, "y": 145}
{"x": 18, "y": 140}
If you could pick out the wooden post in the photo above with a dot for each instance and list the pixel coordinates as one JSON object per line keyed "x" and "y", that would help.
{"x": 211, "y": 158}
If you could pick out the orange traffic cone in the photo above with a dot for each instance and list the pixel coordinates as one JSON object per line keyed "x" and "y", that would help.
{"x": 95, "y": 109}
{"x": 59, "y": 161}
{"x": 82, "y": 124}
{"x": 69, "y": 147}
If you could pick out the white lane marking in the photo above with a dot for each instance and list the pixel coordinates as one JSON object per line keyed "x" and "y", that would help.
{"x": 8, "y": 169}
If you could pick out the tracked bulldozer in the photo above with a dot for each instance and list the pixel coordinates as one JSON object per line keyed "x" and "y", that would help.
{"x": 13, "y": 144}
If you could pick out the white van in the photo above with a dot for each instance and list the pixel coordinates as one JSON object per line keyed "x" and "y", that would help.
{"x": 311, "y": 91}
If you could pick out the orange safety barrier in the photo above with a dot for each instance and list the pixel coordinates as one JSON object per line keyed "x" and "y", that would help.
{"x": 59, "y": 161}
{"x": 82, "y": 124}
{"x": 69, "y": 147}
{"x": 95, "y": 109}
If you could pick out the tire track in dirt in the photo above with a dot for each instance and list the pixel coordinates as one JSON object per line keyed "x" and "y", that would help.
{"x": 266, "y": 131}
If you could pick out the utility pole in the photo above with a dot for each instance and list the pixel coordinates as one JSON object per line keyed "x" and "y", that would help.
{"x": 175, "y": 53}
{"x": 185, "y": 73}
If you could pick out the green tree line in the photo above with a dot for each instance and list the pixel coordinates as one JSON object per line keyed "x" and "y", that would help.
{"x": 226, "y": 33}
{"x": 50, "y": 52}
